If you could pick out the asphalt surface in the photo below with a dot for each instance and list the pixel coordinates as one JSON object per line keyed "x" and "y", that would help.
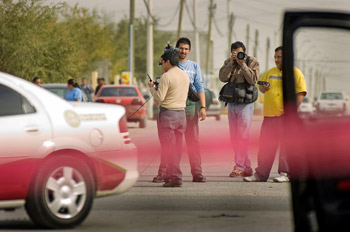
{"x": 221, "y": 204}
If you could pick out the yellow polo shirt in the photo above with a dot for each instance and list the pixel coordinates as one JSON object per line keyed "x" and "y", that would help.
{"x": 273, "y": 98}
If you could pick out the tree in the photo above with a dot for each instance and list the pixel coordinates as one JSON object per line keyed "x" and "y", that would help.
{"x": 59, "y": 42}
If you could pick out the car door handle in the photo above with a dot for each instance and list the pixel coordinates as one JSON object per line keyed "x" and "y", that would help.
{"x": 32, "y": 129}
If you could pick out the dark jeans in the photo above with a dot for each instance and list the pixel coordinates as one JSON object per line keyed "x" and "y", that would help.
{"x": 171, "y": 127}
{"x": 192, "y": 142}
{"x": 192, "y": 139}
{"x": 270, "y": 138}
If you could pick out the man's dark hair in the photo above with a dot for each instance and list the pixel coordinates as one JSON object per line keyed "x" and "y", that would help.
{"x": 35, "y": 79}
{"x": 237, "y": 44}
{"x": 278, "y": 48}
{"x": 74, "y": 83}
{"x": 172, "y": 56}
{"x": 183, "y": 40}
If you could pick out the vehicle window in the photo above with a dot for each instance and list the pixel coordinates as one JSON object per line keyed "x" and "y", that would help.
{"x": 119, "y": 92}
{"x": 323, "y": 56}
{"x": 306, "y": 100}
{"x": 13, "y": 103}
{"x": 58, "y": 91}
{"x": 332, "y": 96}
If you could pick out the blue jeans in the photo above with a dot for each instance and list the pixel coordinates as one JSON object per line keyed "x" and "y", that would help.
{"x": 171, "y": 127}
{"x": 240, "y": 118}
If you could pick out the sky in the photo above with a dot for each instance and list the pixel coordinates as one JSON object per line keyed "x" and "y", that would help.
{"x": 266, "y": 16}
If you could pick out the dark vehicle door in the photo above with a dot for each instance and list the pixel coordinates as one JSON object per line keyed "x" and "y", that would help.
{"x": 318, "y": 148}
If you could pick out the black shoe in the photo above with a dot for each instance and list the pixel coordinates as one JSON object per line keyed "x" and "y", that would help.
{"x": 158, "y": 179}
{"x": 173, "y": 183}
{"x": 199, "y": 178}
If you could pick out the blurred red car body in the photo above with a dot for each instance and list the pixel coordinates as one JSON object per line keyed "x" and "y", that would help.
{"x": 128, "y": 96}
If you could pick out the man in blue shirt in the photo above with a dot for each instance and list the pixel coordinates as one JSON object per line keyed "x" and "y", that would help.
{"x": 87, "y": 88}
{"x": 192, "y": 114}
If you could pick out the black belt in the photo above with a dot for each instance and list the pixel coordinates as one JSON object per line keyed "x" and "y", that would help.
{"x": 161, "y": 108}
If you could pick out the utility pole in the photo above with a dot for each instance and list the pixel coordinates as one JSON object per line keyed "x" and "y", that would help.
{"x": 267, "y": 53}
{"x": 230, "y": 29}
{"x": 196, "y": 33}
{"x": 150, "y": 54}
{"x": 309, "y": 82}
{"x": 255, "y": 54}
{"x": 247, "y": 38}
{"x": 229, "y": 25}
{"x": 211, "y": 9}
{"x": 131, "y": 40}
{"x": 180, "y": 19}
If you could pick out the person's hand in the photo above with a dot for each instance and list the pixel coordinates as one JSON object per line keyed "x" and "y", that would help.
{"x": 202, "y": 114}
{"x": 264, "y": 88}
{"x": 150, "y": 83}
{"x": 233, "y": 57}
{"x": 240, "y": 62}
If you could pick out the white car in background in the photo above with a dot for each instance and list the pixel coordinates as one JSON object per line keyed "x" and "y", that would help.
{"x": 214, "y": 108}
{"x": 57, "y": 156}
{"x": 331, "y": 102}
{"x": 306, "y": 108}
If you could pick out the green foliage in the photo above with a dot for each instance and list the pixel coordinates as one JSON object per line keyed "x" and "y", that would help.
{"x": 58, "y": 42}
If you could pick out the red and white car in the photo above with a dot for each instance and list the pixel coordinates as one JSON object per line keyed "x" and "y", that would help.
{"x": 128, "y": 96}
{"x": 57, "y": 156}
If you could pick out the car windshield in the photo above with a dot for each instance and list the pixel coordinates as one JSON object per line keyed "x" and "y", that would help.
{"x": 118, "y": 92}
{"x": 332, "y": 96}
{"x": 59, "y": 91}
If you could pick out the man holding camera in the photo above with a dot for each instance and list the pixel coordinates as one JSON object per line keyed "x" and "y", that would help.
{"x": 171, "y": 93}
{"x": 192, "y": 115}
{"x": 270, "y": 133}
{"x": 239, "y": 69}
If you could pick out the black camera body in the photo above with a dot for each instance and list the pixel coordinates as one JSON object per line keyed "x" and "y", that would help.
{"x": 265, "y": 83}
{"x": 170, "y": 48}
{"x": 241, "y": 55}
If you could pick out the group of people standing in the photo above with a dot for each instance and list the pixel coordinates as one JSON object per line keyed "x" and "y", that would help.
{"x": 74, "y": 92}
{"x": 179, "y": 116}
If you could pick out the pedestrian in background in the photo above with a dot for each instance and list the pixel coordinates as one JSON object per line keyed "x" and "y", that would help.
{"x": 240, "y": 114}
{"x": 100, "y": 82}
{"x": 271, "y": 128}
{"x": 87, "y": 88}
{"x": 193, "y": 114}
{"x": 74, "y": 91}
{"x": 36, "y": 80}
{"x": 171, "y": 93}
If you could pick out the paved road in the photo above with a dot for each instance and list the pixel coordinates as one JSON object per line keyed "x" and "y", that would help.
{"x": 221, "y": 204}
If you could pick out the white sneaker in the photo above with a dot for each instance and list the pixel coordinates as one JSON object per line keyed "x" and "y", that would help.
{"x": 253, "y": 178}
{"x": 282, "y": 178}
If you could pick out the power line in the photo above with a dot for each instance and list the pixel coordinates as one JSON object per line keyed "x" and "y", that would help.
{"x": 172, "y": 18}
{"x": 149, "y": 11}
{"x": 189, "y": 15}
{"x": 217, "y": 28}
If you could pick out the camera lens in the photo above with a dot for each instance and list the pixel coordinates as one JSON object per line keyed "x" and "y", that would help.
{"x": 241, "y": 55}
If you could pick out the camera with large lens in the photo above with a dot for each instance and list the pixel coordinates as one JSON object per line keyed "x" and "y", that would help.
{"x": 241, "y": 55}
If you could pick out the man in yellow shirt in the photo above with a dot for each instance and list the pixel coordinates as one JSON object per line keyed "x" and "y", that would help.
{"x": 270, "y": 133}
